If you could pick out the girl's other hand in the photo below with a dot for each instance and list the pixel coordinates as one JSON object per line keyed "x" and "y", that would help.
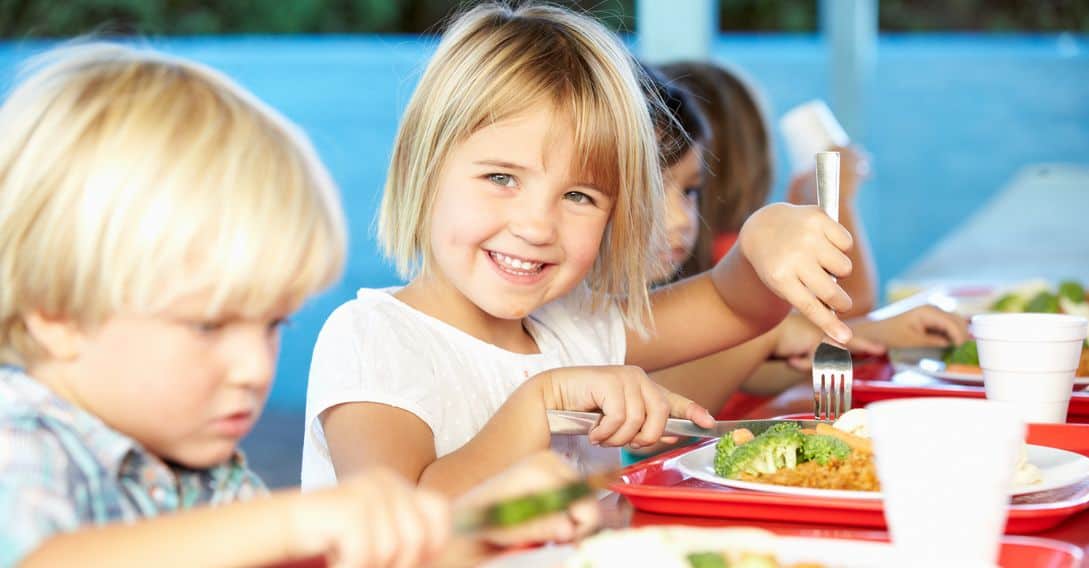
{"x": 634, "y": 407}
{"x": 796, "y": 251}
{"x": 374, "y": 519}
{"x": 923, "y": 326}
{"x": 537, "y": 472}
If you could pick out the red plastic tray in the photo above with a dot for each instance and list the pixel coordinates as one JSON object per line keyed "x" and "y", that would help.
{"x": 656, "y": 486}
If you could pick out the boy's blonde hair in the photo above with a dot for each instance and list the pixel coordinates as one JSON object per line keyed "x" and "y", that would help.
{"x": 495, "y": 62}
{"x": 129, "y": 179}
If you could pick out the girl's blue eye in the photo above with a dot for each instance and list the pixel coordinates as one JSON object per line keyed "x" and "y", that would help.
{"x": 504, "y": 180}
{"x": 579, "y": 197}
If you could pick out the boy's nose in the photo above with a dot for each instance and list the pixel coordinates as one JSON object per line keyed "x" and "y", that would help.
{"x": 253, "y": 360}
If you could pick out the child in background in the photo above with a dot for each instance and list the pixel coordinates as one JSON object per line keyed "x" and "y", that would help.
{"x": 158, "y": 224}
{"x": 739, "y": 176}
{"x": 524, "y": 205}
{"x": 684, "y": 135}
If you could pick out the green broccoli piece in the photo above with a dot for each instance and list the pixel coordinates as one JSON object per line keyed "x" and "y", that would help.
{"x": 723, "y": 449}
{"x": 707, "y": 560}
{"x": 821, "y": 449}
{"x": 1043, "y": 303}
{"x": 1072, "y": 291}
{"x": 1009, "y": 303}
{"x": 964, "y": 354}
{"x": 783, "y": 427}
{"x": 767, "y": 453}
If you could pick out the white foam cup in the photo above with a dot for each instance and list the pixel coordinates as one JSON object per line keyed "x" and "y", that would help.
{"x": 810, "y": 128}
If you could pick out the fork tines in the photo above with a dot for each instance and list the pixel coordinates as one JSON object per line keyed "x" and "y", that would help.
{"x": 832, "y": 381}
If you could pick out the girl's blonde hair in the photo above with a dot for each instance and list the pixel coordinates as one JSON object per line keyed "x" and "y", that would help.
{"x": 129, "y": 179}
{"x": 740, "y": 162}
{"x": 495, "y": 62}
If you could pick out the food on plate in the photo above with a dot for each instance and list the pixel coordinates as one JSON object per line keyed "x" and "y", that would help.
{"x": 836, "y": 456}
{"x": 826, "y": 458}
{"x": 1039, "y": 297}
{"x": 681, "y": 547}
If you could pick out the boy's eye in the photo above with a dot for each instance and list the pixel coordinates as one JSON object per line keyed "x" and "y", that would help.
{"x": 504, "y": 180}
{"x": 579, "y": 197}
{"x": 207, "y": 327}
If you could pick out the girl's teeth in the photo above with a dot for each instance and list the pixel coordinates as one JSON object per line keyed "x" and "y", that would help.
{"x": 515, "y": 263}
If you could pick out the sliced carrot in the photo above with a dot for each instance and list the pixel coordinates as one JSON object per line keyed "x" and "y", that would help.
{"x": 963, "y": 368}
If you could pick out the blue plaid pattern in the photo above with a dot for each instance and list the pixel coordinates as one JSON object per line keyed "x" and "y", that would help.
{"x": 62, "y": 468}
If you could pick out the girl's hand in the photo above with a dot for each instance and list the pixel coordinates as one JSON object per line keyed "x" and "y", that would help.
{"x": 635, "y": 408}
{"x": 798, "y": 339}
{"x": 923, "y": 326}
{"x": 796, "y": 251}
{"x": 373, "y": 519}
{"x": 538, "y": 472}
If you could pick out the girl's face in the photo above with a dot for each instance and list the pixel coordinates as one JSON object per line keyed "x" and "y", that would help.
{"x": 512, "y": 226}
{"x": 683, "y": 182}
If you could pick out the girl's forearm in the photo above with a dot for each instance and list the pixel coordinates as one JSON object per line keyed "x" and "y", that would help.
{"x": 745, "y": 294}
{"x": 518, "y": 429}
{"x": 257, "y": 532}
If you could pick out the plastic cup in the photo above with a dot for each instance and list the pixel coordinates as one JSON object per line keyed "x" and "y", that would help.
{"x": 810, "y": 128}
{"x": 946, "y": 467}
{"x": 1029, "y": 360}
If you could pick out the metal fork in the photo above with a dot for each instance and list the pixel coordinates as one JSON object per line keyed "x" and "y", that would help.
{"x": 833, "y": 372}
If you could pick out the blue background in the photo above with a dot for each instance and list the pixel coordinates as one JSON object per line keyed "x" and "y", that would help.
{"x": 948, "y": 119}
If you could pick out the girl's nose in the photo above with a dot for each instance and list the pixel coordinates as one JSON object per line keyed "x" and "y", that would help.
{"x": 533, "y": 221}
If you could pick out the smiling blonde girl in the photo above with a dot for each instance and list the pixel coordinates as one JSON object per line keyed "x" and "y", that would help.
{"x": 523, "y": 205}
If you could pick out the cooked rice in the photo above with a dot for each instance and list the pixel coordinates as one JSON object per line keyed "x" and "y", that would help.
{"x": 856, "y": 473}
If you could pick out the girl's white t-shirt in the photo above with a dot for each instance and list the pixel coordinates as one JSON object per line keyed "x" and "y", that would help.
{"x": 378, "y": 349}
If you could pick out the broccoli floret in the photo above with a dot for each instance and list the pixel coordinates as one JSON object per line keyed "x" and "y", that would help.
{"x": 767, "y": 453}
{"x": 1009, "y": 303}
{"x": 1043, "y": 303}
{"x": 723, "y": 449}
{"x": 783, "y": 427}
{"x": 707, "y": 560}
{"x": 820, "y": 448}
{"x": 1072, "y": 291}
{"x": 964, "y": 354}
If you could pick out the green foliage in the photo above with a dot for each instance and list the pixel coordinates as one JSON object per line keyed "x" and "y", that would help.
{"x": 43, "y": 18}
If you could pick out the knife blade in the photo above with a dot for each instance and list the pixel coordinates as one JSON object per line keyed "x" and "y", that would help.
{"x": 574, "y": 422}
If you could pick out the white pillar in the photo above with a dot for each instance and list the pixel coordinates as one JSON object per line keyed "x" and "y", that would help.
{"x": 669, "y": 30}
{"x": 850, "y": 32}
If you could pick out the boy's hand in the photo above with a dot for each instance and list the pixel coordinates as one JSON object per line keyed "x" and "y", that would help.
{"x": 374, "y": 519}
{"x": 538, "y": 472}
{"x": 796, "y": 251}
{"x": 635, "y": 408}
{"x": 922, "y": 326}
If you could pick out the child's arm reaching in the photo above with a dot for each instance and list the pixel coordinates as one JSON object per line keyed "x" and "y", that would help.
{"x": 786, "y": 255}
{"x": 372, "y": 519}
{"x": 634, "y": 407}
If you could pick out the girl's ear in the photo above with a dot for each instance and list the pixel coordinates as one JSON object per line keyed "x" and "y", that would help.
{"x": 59, "y": 336}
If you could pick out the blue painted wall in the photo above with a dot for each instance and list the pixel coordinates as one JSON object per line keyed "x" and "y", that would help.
{"x": 948, "y": 120}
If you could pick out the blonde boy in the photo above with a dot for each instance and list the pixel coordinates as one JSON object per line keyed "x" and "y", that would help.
{"x": 157, "y": 225}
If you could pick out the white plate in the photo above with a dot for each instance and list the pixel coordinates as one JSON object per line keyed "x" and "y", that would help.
{"x": 928, "y": 362}
{"x": 1058, "y": 468}
{"x": 787, "y": 549}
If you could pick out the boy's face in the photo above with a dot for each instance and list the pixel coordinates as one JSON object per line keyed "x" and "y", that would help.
{"x": 187, "y": 388}
{"x": 511, "y": 226}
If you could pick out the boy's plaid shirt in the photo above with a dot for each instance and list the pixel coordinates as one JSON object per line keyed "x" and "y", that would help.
{"x": 62, "y": 469}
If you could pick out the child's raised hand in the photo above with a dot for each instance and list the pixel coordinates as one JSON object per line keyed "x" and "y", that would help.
{"x": 796, "y": 251}
{"x": 635, "y": 408}
{"x": 538, "y": 472}
{"x": 922, "y": 326}
{"x": 374, "y": 519}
